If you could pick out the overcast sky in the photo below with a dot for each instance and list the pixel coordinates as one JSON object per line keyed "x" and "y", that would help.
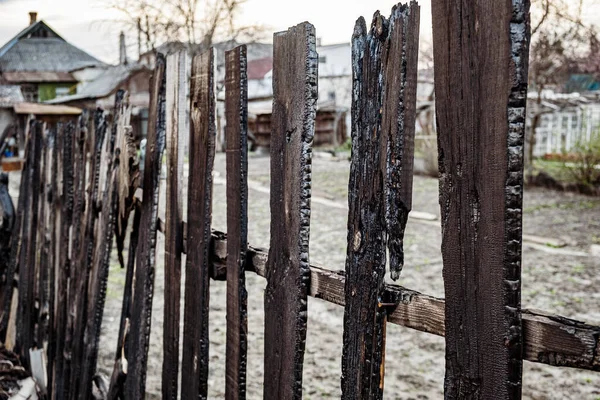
{"x": 84, "y": 22}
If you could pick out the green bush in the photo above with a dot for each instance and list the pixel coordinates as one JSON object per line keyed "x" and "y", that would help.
{"x": 584, "y": 165}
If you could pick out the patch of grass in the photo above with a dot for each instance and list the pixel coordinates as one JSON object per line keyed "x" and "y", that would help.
{"x": 578, "y": 268}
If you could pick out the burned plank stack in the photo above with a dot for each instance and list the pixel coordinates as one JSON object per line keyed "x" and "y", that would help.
{"x": 78, "y": 191}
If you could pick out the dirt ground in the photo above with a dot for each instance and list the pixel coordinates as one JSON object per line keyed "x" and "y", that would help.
{"x": 562, "y": 281}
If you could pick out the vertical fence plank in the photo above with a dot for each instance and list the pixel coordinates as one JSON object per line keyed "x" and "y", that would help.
{"x": 176, "y": 123}
{"x": 98, "y": 277}
{"x": 384, "y": 63}
{"x": 236, "y": 137}
{"x": 54, "y": 238}
{"x": 27, "y": 262}
{"x": 117, "y": 382}
{"x": 293, "y": 126}
{"x": 65, "y": 186}
{"x": 78, "y": 246}
{"x": 481, "y": 53}
{"x": 202, "y": 152}
{"x": 141, "y": 309}
{"x": 399, "y": 72}
{"x": 85, "y": 255}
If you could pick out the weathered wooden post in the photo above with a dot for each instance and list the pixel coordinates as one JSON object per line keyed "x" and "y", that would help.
{"x": 236, "y": 137}
{"x": 384, "y": 68}
{"x": 194, "y": 365}
{"x": 293, "y": 128}
{"x": 481, "y": 55}
{"x": 143, "y": 291}
{"x": 176, "y": 97}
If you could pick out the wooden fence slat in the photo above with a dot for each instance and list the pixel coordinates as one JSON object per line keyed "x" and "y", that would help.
{"x": 78, "y": 246}
{"x": 27, "y": 260}
{"x": 176, "y": 122}
{"x": 104, "y": 234}
{"x": 399, "y": 72}
{"x": 117, "y": 383}
{"x": 53, "y": 260}
{"x": 141, "y": 308}
{"x": 481, "y": 53}
{"x": 63, "y": 228}
{"x": 383, "y": 116}
{"x": 293, "y": 126}
{"x": 85, "y": 255}
{"x": 194, "y": 364}
{"x": 236, "y": 137}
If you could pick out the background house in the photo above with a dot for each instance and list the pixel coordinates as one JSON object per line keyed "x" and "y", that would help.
{"x": 41, "y": 62}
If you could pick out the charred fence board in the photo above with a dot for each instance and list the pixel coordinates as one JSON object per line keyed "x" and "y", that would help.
{"x": 63, "y": 345}
{"x": 380, "y": 188}
{"x": 176, "y": 123}
{"x": 78, "y": 265}
{"x": 85, "y": 257}
{"x": 117, "y": 382}
{"x": 236, "y": 137}
{"x": 27, "y": 263}
{"x": 399, "y": 71}
{"x": 481, "y": 53}
{"x": 98, "y": 277}
{"x": 293, "y": 127}
{"x": 141, "y": 309}
{"x": 194, "y": 366}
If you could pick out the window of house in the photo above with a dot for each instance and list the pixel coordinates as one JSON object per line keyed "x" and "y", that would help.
{"x": 30, "y": 93}
{"x": 62, "y": 91}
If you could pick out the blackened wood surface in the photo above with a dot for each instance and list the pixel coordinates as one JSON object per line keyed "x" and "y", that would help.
{"x": 78, "y": 266}
{"x": 236, "y": 137}
{"x": 65, "y": 191}
{"x": 481, "y": 53}
{"x": 54, "y": 238}
{"x": 117, "y": 383}
{"x": 293, "y": 126}
{"x": 85, "y": 257}
{"x": 141, "y": 309}
{"x": 384, "y": 63}
{"x": 400, "y": 54}
{"x": 26, "y": 271}
{"x": 104, "y": 234}
{"x": 194, "y": 365}
{"x": 176, "y": 123}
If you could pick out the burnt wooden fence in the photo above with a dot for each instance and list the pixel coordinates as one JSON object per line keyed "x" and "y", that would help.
{"x": 78, "y": 194}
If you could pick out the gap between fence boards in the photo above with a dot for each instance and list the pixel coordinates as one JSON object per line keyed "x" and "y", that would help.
{"x": 548, "y": 339}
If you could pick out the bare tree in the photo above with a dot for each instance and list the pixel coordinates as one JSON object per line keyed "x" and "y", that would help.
{"x": 197, "y": 22}
{"x": 559, "y": 37}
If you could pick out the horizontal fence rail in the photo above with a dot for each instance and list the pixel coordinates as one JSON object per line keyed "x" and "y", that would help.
{"x": 80, "y": 190}
{"x": 547, "y": 338}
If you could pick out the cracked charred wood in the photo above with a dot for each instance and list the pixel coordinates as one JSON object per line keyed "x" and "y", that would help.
{"x": 384, "y": 65}
{"x": 143, "y": 291}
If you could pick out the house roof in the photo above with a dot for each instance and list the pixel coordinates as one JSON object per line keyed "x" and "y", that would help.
{"x": 45, "y": 109}
{"x": 39, "y": 48}
{"x": 103, "y": 85}
{"x": 10, "y": 95}
{"x": 257, "y": 69}
{"x": 37, "y": 76}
